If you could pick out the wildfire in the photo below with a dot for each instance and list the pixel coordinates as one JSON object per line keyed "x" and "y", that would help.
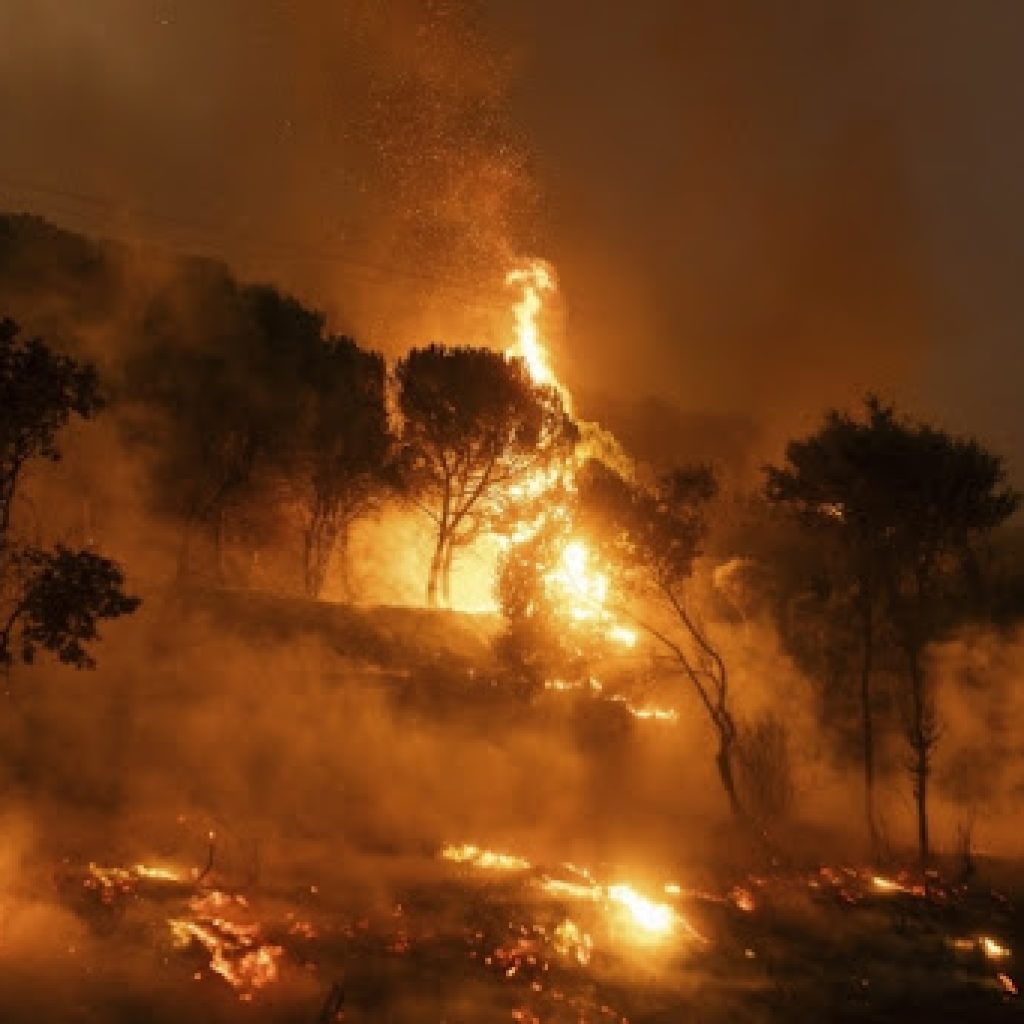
{"x": 575, "y": 583}
{"x": 234, "y": 948}
{"x": 156, "y": 874}
{"x": 648, "y": 916}
{"x": 534, "y": 278}
{"x": 467, "y": 853}
{"x": 571, "y": 940}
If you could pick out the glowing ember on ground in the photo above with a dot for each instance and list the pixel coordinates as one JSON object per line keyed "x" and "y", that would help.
{"x": 654, "y": 714}
{"x": 156, "y": 874}
{"x": 570, "y": 940}
{"x": 886, "y": 884}
{"x": 467, "y": 853}
{"x": 743, "y": 899}
{"x": 993, "y": 949}
{"x": 234, "y": 948}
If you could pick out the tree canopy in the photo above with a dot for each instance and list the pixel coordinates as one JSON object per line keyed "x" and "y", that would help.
{"x": 905, "y": 506}
{"x": 474, "y": 426}
{"x": 49, "y": 599}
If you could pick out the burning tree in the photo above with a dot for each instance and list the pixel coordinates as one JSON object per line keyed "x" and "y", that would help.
{"x": 475, "y": 427}
{"x": 905, "y": 505}
{"x": 50, "y": 599}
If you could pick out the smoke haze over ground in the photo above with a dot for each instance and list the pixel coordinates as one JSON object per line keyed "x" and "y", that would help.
{"x": 754, "y": 213}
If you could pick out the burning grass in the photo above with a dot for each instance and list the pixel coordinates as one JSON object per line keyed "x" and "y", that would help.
{"x": 480, "y": 934}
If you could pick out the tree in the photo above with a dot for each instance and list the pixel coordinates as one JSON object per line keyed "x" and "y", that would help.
{"x": 828, "y": 478}
{"x": 39, "y": 392}
{"x": 653, "y": 536}
{"x": 474, "y": 427}
{"x": 343, "y": 451}
{"x": 909, "y": 504}
{"x": 49, "y": 600}
{"x": 541, "y": 638}
{"x": 62, "y": 596}
{"x": 217, "y": 391}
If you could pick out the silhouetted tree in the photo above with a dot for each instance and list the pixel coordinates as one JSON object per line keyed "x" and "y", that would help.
{"x": 49, "y": 600}
{"x": 652, "y": 535}
{"x": 39, "y": 392}
{"x": 474, "y": 425}
{"x": 908, "y": 504}
{"x": 62, "y": 596}
{"x": 343, "y": 451}
{"x": 829, "y": 478}
{"x": 218, "y": 389}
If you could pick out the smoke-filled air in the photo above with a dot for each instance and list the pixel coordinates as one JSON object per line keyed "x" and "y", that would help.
{"x": 510, "y": 512}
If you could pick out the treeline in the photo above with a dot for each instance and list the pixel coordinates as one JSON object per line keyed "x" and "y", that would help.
{"x": 866, "y": 545}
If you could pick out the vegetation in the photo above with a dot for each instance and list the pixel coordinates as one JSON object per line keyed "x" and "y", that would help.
{"x": 257, "y": 429}
{"x": 50, "y": 600}
{"x": 898, "y": 509}
{"x": 474, "y": 427}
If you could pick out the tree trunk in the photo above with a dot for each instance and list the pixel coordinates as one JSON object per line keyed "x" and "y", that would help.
{"x": 436, "y": 566}
{"x": 921, "y": 740}
{"x": 723, "y": 760}
{"x": 310, "y": 583}
{"x": 446, "y": 575}
{"x": 867, "y": 725}
{"x": 218, "y": 543}
{"x": 340, "y": 548}
{"x": 921, "y": 796}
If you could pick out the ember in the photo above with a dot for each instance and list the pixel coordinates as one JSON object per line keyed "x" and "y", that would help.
{"x": 235, "y": 950}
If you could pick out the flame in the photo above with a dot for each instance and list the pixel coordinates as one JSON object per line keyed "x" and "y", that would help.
{"x": 648, "y": 916}
{"x": 468, "y": 853}
{"x": 156, "y": 874}
{"x": 571, "y": 940}
{"x": 886, "y": 884}
{"x": 993, "y": 949}
{"x": 655, "y": 714}
{"x": 622, "y": 635}
{"x": 234, "y": 950}
{"x": 584, "y": 590}
{"x": 534, "y": 278}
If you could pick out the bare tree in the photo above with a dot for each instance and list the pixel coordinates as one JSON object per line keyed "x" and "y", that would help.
{"x": 653, "y": 535}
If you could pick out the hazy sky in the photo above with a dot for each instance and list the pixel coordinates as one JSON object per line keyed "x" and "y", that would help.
{"x": 753, "y": 208}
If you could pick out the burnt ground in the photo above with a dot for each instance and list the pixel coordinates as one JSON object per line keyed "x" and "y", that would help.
{"x": 453, "y": 942}
{"x": 383, "y": 929}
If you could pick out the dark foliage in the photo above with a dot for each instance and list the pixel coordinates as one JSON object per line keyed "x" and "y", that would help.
{"x": 51, "y": 600}
{"x": 64, "y": 595}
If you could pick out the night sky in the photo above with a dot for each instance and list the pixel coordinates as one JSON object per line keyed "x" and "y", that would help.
{"x": 755, "y": 210}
